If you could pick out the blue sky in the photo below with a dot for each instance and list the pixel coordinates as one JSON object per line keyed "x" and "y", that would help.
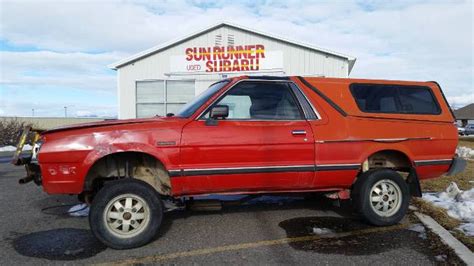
{"x": 55, "y": 53}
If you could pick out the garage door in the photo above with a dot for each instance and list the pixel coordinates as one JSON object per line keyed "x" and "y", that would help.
{"x": 159, "y": 97}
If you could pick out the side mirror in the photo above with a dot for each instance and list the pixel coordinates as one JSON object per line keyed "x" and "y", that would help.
{"x": 219, "y": 111}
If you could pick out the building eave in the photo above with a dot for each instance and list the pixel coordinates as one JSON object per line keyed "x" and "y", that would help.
{"x": 164, "y": 46}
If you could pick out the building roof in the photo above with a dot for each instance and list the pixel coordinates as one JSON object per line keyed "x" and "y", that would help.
{"x": 465, "y": 113}
{"x": 167, "y": 45}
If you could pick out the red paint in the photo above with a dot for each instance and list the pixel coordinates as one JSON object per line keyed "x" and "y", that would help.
{"x": 67, "y": 154}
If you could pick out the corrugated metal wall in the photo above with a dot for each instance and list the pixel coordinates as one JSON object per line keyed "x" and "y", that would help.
{"x": 296, "y": 61}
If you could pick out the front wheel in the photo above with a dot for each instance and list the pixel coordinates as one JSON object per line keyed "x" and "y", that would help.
{"x": 381, "y": 196}
{"x": 126, "y": 214}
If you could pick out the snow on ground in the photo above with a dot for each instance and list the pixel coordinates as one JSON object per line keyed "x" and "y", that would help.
{"x": 459, "y": 205}
{"x": 27, "y": 147}
{"x": 79, "y": 210}
{"x": 465, "y": 152}
{"x": 420, "y": 229}
{"x": 441, "y": 257}
{"x": 322, "y": 231}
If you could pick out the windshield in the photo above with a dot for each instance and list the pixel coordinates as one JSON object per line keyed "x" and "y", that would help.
{"x": 195, "y": 103}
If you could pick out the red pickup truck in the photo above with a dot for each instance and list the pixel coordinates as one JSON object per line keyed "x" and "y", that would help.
{"x": 370, "y": 141}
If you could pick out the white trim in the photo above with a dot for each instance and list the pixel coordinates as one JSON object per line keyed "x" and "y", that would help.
{"x": 250, "y": 168}
{"x": 376, "y": 140}
{"x": 263, "y": 167}
{"x": 166, "y": 45}
{"x": 429, "y": 161}
{"x": 338, "y": 164}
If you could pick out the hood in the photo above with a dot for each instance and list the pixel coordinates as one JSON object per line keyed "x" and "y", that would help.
{"x": 104, "y": 123}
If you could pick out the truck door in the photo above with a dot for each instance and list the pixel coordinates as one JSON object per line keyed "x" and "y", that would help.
{"x": 265, "y": 143}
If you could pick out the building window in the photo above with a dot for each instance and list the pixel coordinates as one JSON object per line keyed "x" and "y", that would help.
{"x": 400, "y": 99}
{"x": 159, "y": 97}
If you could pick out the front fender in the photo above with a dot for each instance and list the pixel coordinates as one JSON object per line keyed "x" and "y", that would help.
{"x": 66, "y": 161}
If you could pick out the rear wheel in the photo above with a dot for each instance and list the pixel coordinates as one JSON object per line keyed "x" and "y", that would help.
{"x": 381, "y": 196}
{"x": 126, "y": 214}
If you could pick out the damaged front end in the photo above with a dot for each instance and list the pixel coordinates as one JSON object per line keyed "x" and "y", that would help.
{"x": 32, "y": 137}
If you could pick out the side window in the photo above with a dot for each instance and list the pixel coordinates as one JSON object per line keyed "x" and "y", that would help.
{"x": 401, "y": 99}
{"x": 418, "y": 100}
{"x": 239, "y": 106}
{"x": 261, "y": 101}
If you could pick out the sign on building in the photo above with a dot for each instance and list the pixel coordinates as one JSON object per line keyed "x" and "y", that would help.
{"x": 218, "y": 59}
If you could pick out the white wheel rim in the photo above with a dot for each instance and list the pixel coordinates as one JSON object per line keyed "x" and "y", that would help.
{"x": 126, "y": 215}
{"x": 385, "y": 198}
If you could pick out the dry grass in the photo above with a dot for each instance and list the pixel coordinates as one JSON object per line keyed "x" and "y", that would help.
{"x": 466, "y": 142}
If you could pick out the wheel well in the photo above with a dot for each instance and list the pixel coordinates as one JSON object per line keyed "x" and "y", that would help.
{"x": 394, "y": 160}
{"x": 136, "y": 165}
{"x": 388, "y": 159}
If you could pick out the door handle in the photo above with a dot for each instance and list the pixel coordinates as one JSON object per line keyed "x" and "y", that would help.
{"x": 298, "y": 132}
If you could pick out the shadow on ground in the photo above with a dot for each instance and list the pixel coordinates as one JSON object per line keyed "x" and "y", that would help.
{"x": 355, "y": 244}
{"x": 59, "y": 244}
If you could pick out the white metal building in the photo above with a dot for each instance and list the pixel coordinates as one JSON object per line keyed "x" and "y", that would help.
{"x": 162, "y": 79}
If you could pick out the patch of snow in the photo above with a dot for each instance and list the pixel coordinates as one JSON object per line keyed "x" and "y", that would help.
{"x": 465, "y": 152}
{"x": 27, "y": 147}
{"x": 8, "y": 148}
{"x": 322, "y": 231}
{"x": 467, "y": 228}
{"x": 441, "y": 257}
{"x": 79, "y": 210}
{"x": 73, "y": 252}
{"x": 419, "y": 228}
{"x": 459, "y": 205}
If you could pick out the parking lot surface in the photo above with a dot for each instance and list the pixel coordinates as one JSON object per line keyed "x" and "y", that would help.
{"x": 36, "y": 229}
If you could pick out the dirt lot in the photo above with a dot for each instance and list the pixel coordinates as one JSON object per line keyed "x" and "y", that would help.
{"x": 276, "y": 230}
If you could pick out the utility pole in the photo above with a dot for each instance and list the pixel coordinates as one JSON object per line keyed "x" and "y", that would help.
{"x": 65, "y": 109}
{"x": 33, "y": 112}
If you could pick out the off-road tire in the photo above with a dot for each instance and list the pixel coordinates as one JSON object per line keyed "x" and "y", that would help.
{"x": 362, "y": 194}
{"x": 99, "y": 220}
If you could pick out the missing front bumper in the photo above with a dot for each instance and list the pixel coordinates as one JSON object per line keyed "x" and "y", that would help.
{"x": 33, "y": 171}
